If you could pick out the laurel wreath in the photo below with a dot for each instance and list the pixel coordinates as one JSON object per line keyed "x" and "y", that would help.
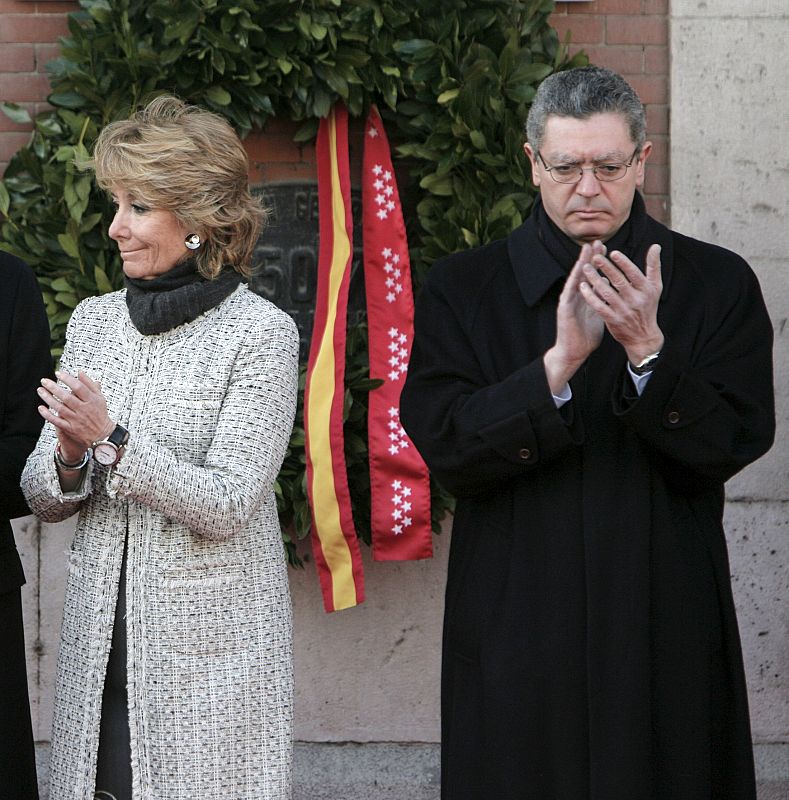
{"x": 453, "y": 81}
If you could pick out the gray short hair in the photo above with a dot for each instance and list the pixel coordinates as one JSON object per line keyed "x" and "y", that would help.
{"x": 580, "y": 93}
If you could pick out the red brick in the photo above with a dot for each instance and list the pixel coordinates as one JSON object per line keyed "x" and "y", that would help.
{"x": 275, "y": 144}
{"x": 602, "y": 7}
{"x": 43, "y": 6}
{"x": 11, "y": 142}
{"x": 621, "y": 59}
{"x": 583, "y": 29}
{"x": 657, "y": 120}
{"x": 22, "y": 87}
{"x": 263, "y": 174}
{"x": 656, "y": 60}
{"x": 17, "y": 58}
{"x": 658, "y": 207}
{"x": 54, "y": 7}
{"x": 46, "y": 53}
{"x": 659, "y": 154}
{"x": 656, "y": 179}
{"x": 7, "y": 124}
{"x": 636, "y": 30}
{"x": 654, "y": 6}
{"x": 28, "y": 7}
{"x": 33, "y": 27}
{"x": 652, "y": 89}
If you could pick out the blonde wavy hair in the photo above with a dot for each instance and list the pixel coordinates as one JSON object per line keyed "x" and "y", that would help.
{"x": 186, "y": 160}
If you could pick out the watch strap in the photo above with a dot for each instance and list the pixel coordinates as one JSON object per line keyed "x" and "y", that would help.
{"x": 645, "y": 365}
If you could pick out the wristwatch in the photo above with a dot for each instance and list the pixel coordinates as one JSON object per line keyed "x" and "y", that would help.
{"x": 645, "y": 365}
{"x": 109, "y": 451}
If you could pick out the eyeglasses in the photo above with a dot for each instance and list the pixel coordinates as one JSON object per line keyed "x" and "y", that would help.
{"x": 572, "y": 173}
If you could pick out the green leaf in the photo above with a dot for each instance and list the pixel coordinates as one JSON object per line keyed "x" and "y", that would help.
{"x": 218, "y": 95}
{"x": 454, "y": 81}
{"x": 68, "y": 99}
{"x": 61, "y": 285}
{"x": 437, "y": 184}
{"x": 69, "y": 245}
{"x": 67, "y": 299}
{"x": 15, "y": 113}
{"x": 318, "y": 31}
{"x": 102, "y": 281}
{"x": 447, "y": 96}
{"x": 478, "y": 139}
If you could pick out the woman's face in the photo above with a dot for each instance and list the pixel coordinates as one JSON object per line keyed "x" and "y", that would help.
{"x": 151, "y": 240}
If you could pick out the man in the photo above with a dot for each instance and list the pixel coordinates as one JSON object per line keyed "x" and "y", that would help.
{"x": 24, "y": 358}
{"x": 584, "y": 388}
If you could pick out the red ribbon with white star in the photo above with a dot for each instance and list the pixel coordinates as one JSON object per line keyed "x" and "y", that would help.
{"x": 399, "y": 479}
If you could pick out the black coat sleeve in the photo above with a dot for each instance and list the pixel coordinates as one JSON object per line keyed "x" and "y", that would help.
{"x": 26, "y": 358}
{"x": 472, "y": 430}
{"x": 708, "y": 409}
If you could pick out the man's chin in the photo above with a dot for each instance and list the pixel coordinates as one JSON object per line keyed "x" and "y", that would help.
{"x": 590, "y": 232}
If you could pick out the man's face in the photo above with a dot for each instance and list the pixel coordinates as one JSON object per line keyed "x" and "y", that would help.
{"x": 590, "y": 209}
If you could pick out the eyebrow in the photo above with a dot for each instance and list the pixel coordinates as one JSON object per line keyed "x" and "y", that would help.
{"x": 611, "y": 155}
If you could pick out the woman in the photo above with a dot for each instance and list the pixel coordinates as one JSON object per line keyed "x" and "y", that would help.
{"x": 24, "y": 358}
{"x": 165, "y": 431}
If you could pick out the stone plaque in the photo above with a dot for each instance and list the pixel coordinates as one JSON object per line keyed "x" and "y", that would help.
{"x": 286, "y": 257}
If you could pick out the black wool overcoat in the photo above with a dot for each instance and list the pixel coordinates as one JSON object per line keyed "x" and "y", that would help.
{"x": 591, "y": 649}
{"x": 24, "y": 360}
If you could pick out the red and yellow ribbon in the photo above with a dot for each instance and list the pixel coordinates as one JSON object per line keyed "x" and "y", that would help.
{"x": 334, "y": 541}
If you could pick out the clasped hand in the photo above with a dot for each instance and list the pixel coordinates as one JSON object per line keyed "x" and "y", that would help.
{"x": 78, "y": 411}
{"x": 605, "y": 291}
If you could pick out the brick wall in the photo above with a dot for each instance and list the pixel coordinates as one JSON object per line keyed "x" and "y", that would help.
{"x": 29, "y": 33}
{"x": 630, "y": 36}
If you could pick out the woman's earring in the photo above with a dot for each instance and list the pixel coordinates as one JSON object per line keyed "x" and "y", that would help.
{"x": 192, "y": 241}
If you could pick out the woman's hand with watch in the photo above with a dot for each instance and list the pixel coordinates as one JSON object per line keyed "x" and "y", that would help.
{"x": 77, "y": 408}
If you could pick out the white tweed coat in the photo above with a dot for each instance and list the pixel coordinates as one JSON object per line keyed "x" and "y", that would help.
{"x": 209, "y": 406}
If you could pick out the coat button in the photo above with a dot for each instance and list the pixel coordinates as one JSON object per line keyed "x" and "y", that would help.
{"x": 524, "y": 453}
{"x": 673, "y": 417}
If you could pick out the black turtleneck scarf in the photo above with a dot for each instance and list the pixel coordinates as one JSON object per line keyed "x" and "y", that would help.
{"x": 630, "y": 239}
{"x": 177, "y": 296}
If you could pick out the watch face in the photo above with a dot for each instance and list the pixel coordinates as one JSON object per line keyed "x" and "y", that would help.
{"x": 105, "y": 453}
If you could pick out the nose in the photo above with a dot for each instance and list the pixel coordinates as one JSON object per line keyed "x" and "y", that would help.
{"x": 118, "y": 228}
{"x": 588, "y": 186}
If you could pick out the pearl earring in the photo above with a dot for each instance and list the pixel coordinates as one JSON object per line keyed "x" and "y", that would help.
{"x": 192, "y": 241}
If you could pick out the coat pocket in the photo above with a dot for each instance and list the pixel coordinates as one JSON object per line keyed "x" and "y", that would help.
{"x": 201, "y": 610}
